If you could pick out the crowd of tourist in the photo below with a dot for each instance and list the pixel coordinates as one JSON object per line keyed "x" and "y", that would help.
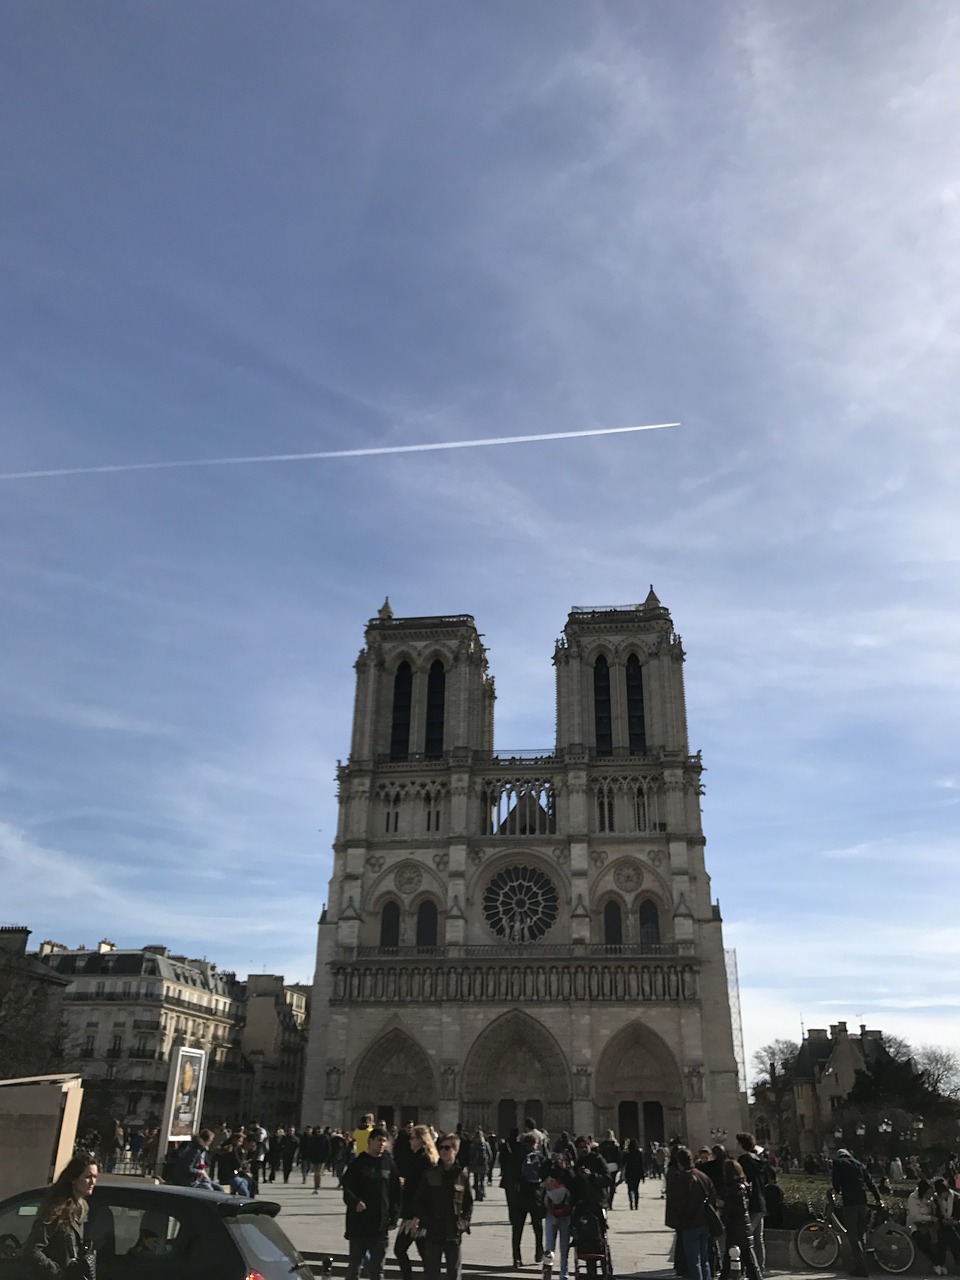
{"x": 558, "y": 1190}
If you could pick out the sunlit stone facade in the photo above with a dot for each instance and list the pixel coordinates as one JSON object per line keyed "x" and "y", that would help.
{"x": 530, "y": 933}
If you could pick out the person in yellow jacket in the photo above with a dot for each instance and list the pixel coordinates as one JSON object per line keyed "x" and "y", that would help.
{"x": 361, "y": 1136}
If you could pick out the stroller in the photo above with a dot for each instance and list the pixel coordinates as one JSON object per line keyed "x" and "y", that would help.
{"x": 588, "y": 1234}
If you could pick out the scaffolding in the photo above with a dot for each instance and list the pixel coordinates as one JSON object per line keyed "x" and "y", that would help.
{"x": 736, "y": 1022}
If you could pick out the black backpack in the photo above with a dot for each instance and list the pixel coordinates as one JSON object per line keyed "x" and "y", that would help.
{"x": 179, "y": 1167}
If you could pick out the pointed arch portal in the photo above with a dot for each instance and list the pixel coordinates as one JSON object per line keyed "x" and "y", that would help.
{"x": 639, "y": 1090}
{"x": 515, "y": 1068}
{"x": 394, "y": 1080}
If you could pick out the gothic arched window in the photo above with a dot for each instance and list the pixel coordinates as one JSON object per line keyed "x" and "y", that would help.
{"x": 427, "y": 924}
{"x": 436, "y": 688}
{"x": 390, "y": 926}
{"x": 601, "y": 707}
{"x": 649, "y": 924}
{"x": 612, "y": 925}
{"x": 605, "y": 809}
{"x": 635, "y": 724}
{"x": 400, "y": 725}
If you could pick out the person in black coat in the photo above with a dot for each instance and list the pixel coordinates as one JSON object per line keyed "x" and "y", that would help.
{"x": 421, "y": 1155}
{"x": 612, "y": 1156}
{"x": 321, "y": 1155}
{"x": 444, "y": 1205}
{"x": 591, "y": 1196}
{"x": 634, "y": 1171}
{"x": 734, "y": 1205}
{"x": 371, "y": 1192}
{"x": 289, "y": 1146}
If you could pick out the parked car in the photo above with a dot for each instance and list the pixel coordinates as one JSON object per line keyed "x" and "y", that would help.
{"x": 147, "y": 1232}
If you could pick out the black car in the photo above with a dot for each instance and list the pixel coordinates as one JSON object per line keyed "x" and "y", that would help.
{"x": 147, "y": 1232}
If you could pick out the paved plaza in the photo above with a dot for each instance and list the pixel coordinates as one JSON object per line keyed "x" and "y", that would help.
{"x": 640, "y": 1243}
{"x": 639, "y": 1240}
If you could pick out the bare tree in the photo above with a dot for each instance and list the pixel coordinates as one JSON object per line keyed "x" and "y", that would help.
{"x": 899, "y": 1049}
{"x": 773, "y": 1064}
{"x": 940, "y": 1069}
{"x": 30, "y": 1029}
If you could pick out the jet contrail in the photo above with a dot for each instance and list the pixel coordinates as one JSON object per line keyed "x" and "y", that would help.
{"x": 113, "y": 468}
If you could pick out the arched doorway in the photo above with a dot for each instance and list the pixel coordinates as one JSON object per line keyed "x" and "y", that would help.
{"x": 639, "y": 1090}
{"x": 395, "y": 1080}
{"x": 515, "y": 1069}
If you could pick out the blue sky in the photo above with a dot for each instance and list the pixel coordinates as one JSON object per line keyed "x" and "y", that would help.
{"x": 245, "y": 228}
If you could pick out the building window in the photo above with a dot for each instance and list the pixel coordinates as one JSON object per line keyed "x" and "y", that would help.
{"x": 521, "y": 807}
{"x": 635, "y": 723}
{"x": 612, "y": 925}
{"x": 432, "y": 811}
{"x": 402, "y": 698}
{"x": 436, "y": 687}
{"x": 521, "y": 904}
{"x": 391, "y": 815}
{"x": 641, "y": 810}
{"x": 427, "y": 924}
{"x": 390, "y": 926}
{"x": 605, "y": 809}
{"x": 649, "y": 924}
{"x": 601, "y": 707}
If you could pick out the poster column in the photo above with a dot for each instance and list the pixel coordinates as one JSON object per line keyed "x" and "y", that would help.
{"x": 183, "y": 1105}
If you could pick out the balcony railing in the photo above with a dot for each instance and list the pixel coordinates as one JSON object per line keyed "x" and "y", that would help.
{"x": 152, "y": 997}
{"x": 502, "y": 979}
{"x": 534, "y": 953}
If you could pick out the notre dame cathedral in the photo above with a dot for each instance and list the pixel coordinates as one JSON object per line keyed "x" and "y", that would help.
{"x": 528, "y": 933}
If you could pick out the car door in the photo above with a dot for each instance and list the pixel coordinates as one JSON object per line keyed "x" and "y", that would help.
{"x": 17, "y": 1216}
{"x": 142, "y": 1233}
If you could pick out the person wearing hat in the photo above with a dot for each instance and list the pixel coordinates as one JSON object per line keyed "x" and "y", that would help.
{"x": 853, "y": 1182}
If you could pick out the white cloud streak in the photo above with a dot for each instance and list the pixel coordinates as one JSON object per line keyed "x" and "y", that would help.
{"x": 375, "y": 451}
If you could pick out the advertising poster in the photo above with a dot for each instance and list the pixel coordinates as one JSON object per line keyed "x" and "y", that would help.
{"x": 184, "y": 1103}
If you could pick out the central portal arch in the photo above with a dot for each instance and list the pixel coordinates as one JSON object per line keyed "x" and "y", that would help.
{"x": 515, "y": 1068}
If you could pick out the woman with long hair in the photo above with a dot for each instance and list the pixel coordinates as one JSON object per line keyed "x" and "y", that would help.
{"x": 56, "y": 1244}
{"x": 736, "y": 1221}
{"x": 423, "y": 1156}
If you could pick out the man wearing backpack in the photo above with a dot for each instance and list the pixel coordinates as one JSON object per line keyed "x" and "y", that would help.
{"x": 529, "y": 1202}
{"x": 851, "y": 1179}
{"x": 191, "y": 1164}
{"x": 756, "y": 1172}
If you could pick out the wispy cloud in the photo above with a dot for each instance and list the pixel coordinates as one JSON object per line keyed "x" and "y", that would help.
{"x": 739, "y": 217}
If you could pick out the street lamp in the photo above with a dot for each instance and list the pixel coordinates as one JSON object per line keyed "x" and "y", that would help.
{"x": 861, "y": 1129}
{"x": 838, "y": 1133}
{"x": 885, "y": 1126}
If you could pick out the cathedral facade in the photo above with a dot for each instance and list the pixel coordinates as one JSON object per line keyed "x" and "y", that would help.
{"x": 528, "y": 933}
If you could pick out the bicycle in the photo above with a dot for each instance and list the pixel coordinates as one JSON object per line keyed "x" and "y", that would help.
{"x": 818, "y": 1241}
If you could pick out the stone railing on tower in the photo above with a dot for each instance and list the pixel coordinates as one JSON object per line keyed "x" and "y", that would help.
{"x": 504, "y": 974}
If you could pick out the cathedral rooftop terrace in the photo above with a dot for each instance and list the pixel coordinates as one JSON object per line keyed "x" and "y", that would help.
{"x": 441, "y": 620}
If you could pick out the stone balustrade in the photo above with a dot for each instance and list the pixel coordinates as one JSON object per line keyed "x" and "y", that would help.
{"x": 511, "y": 980}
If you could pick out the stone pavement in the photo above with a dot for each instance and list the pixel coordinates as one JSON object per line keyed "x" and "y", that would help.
{"x": 639, "y": 1242}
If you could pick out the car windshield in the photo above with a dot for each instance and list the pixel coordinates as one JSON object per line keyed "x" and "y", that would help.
{"x": 265, "y": 1248}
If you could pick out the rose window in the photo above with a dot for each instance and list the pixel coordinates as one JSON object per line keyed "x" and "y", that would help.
{"x": 520, "y": 904}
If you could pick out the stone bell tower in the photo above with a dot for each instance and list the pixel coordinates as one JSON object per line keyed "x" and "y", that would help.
{"x": 531, "y": 935}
